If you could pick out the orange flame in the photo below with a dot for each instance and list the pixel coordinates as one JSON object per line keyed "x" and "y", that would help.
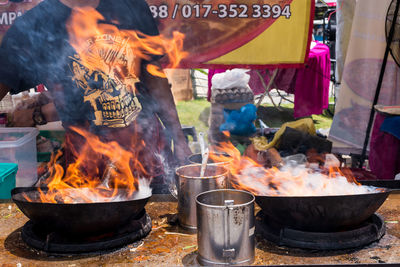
{"x": 87, "y": 173}
{"x": 101, "y": 168}
{"x": 85, "y": 29}
{"x": 249, "y": 175}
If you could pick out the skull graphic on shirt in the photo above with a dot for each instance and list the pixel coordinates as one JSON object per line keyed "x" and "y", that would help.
{"x": 111, "y": 95}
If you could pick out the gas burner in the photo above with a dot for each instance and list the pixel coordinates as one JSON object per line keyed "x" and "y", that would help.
{"x": 369, "y": 231}
{"x": 53, "y": 242}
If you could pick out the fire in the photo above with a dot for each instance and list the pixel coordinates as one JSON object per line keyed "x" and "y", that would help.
{"x": 103, "y": 170}
{"x": 88, "y": 178}
{"x": 295, "y": 180}
{"x": 85, "y": 28}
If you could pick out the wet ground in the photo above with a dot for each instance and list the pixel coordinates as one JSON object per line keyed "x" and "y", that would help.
{"x": 168, "y": 245}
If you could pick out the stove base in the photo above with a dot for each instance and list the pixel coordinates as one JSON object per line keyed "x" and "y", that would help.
{"x": 371, "y": 230}
{"x": 53, "y": 242}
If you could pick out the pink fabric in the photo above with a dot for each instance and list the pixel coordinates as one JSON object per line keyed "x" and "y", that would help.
{"x": 310, "y": 85}
{"x": 311, "y": 94}
{"x": 384, "y": 153}
{"x": 285, "y": 80}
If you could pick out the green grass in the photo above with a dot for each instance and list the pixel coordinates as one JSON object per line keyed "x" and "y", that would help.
{"x": 325, "y": 119}
{"x": 196, "y": 113}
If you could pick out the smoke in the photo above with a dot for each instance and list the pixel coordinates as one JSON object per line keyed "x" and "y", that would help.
{"x": 298, "y": 180}
{"x": 144, "y": 189}
{"x": 39, "y": 44}
{"x": 169, "y": 169}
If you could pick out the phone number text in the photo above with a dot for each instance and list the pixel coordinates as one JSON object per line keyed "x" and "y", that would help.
{"x": 221, "y": 11}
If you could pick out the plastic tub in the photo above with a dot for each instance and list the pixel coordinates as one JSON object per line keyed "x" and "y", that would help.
{"x": 18, "y": 145}
{"x": 7, "y": 179}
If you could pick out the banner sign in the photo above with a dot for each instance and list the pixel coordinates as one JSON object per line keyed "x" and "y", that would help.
{"x": 223, "y": 33}
{"x": 10, "y": 10}
{"x": 239, "y": 33}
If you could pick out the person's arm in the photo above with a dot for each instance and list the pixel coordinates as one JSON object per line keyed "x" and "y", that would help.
{"x": 160, "y": 91}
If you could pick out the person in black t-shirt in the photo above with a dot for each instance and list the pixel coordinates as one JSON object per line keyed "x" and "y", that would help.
{"x": 97, "y": 98}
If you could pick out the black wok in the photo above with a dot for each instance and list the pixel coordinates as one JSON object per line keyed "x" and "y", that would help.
{"x": 392, "y": 184}
{"x": 81, "y": 218}
{"x": 321, "y": 213}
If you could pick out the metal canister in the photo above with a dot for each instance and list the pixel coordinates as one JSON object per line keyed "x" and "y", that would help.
{"x": 225, "y": 227}
{"x": 221, "y": 159}
{"x": 190, "y": 184}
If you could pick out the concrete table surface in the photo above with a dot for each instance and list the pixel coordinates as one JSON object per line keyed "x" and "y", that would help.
{"x": 169, "y": 245}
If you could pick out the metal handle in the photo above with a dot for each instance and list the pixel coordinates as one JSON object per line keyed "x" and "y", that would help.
{"x": 227, "y": 251}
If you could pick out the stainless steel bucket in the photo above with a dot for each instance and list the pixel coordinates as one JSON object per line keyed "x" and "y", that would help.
{"x": 190, "y": 184}
{"x": 221, "y": 159}
{"x": 225, "y": 222}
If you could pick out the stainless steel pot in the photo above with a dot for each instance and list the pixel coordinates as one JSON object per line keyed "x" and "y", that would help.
{"x": 225, "y": 221}
{"x": 190, "y": 184}
{"x": 221, "y": 159}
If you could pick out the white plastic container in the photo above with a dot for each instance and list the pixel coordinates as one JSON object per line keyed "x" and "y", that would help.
{"x": 18, "y": 145}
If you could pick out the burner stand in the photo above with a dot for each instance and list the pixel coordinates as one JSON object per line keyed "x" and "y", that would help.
{"x": 53, "y": 242}
{"x": 371, "y": 230}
